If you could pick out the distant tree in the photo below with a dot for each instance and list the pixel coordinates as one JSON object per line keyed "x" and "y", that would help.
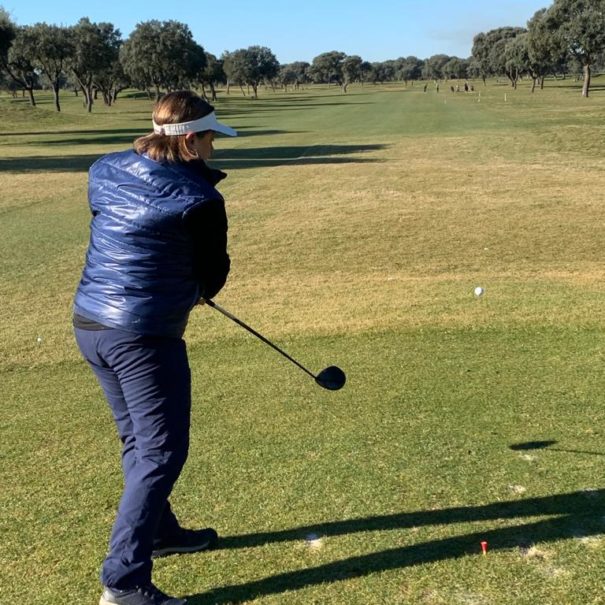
{"x": 16, "y": 55}
{"x": 410, "y": 68}
{"x": 294, "y": 74}
{"x": 500, "y": 38}
{"x": 489, "y": 48}
{"x": 111, "y": 81}
{"x": 599, "y": 62}
{"x": 234, "y": 65}
{"x": 385, "y": 71}
{"x": 539, "y": 47}
{"x": 50, "y": 50}
{"x": 365, "y": 71}
{"x": 301, "y": 69}
{"x": 7, "y": 83}
{"x": 251, "y": 66}
{"x": 95, "y": 50}
{"x": 545, "y": 49}
{"x": 287, "y": 75}
{"x": 579, "y": 25}
{"x": 474, "y": 70}
{"x": 480, "y": 62}
{"x": 212, "y": 74}
{"x": 162, "y": 55}
{"x": 372, "y": 74}
{"x": 7, "y": 35}
{"x": 391, "y": 70}
{"x": 262, "y": 66}
{"x": 517, "y": 62}
{"x": 351, "y": 70}
{"x": 327, "y": 68}
{"x": 433, "y": 67}
{"x": 456, "y": 68}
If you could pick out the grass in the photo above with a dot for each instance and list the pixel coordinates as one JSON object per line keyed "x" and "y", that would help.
{"x": 359, "y": 227}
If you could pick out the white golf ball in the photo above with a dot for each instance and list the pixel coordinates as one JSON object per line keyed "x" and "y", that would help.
{"x": 479, "y": 291}
{"x": 313, "y": 541}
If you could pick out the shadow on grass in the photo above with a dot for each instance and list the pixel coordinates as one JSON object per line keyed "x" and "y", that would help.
{"x": 295, "y": 155}
{"x": 128, "y": 137}
{"x": 541, "y": 445}
{"x": 96, "y": 139}
{"x": 576, "y": 514}
{"x": 113, "y": 131}
{"x": 226, "y": 158}
{"x": 576, "y": 86}
{"x": 64, "y": 163}
{"x": 117, "y": 136}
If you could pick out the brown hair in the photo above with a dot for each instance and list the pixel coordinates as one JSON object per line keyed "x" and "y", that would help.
{"x": 173, "y": 108}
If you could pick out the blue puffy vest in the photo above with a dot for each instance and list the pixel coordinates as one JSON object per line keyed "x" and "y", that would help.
{"x": 139, "y": 271}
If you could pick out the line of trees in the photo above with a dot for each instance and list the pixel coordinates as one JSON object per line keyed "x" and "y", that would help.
{"x": 85, "y": 55}
{"x": 567, "y": 36}
{"x": 92, "y": 58}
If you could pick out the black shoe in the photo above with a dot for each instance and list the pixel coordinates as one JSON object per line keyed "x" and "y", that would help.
{"x": 188, "y": 540}
{"x": 146, "y": 595}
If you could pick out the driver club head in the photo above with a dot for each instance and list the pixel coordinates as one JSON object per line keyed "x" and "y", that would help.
{"x": 332, "y": 378}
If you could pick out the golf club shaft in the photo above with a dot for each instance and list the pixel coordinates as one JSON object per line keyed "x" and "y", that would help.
{"x": 226, "y": 313}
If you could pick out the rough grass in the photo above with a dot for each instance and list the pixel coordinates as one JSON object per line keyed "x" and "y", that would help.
{"x": 359, "y": 227}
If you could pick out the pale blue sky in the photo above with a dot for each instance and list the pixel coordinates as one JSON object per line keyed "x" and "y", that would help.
{"x": 376, "y": 30}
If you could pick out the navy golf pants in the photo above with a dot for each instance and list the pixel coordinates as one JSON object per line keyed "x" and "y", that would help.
{"x": 147, "y": 383}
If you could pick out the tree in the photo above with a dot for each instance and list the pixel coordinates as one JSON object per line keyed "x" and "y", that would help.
{"x": 480, "y": 64}
{"x": 16, "y": 55}
{"x": 50, "y": 48}
{"x": 516, "y": 54}
{"x": 501, "y": 64}
{"x": 287, "y": 75}
{"x": 294, "y": 74}
{"x": 545, "y": 49}
{"x": 251, "y": 66}
{"x": 456, "y": 68}
{"x": 579, "y": 25}
{"x": 162, "y": 55}
{"x": 234, "y": 65}
{"x": 410, "y": 68}
{"x": 385, "y": 71}
{"x": 212, "y": 74}
{"x": 111, "y": 81}
{"x": 433, "y": 67}
{"x": 261, "y": 66}
{"x": 327, "y": 68}
{"x": 301, "y": 71}
{"x": 489, "y": 58}
{"x": 365, "y": 71}
{"x": 95, "y": 50}
{"x": 351, "y": 70}
{"x": 7, "y": 34}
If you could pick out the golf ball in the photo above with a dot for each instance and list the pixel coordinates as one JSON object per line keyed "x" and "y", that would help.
{"x": 479, "y": 291}
{"x": 313, "y": 541}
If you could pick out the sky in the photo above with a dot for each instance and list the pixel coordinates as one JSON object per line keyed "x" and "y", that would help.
{"x": 376, "y": 30}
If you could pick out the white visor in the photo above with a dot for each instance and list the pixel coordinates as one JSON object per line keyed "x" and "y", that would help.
{"x": 208, "y": 122}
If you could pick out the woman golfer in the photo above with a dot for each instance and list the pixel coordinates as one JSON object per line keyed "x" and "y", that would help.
{"x": 158, "y": 245}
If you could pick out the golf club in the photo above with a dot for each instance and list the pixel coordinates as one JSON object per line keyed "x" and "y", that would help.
{"x": 331, "y": 378}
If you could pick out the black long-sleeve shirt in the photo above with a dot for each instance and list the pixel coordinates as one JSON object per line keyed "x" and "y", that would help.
{"x": 207, "y": 226}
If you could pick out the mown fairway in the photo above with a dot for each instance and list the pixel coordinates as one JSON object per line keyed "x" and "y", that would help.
{"x": 359, "y": 227}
